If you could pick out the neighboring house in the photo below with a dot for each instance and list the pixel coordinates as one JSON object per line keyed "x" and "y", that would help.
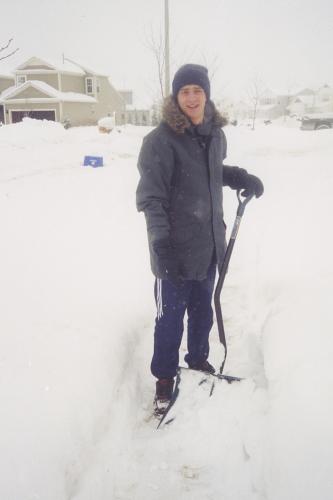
{"x": 324, "y": 99}
{"x": 302, "y": 102}
{"x": 68, "y": 93}
{"x": 309, "y": 101}
{"x": 6, "y": 81}
{"x": 271, "y": 105}
{"x": 133, "y": 114}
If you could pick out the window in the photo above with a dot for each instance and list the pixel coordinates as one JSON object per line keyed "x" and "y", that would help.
{"x": 20, "y": 79}
{"x": 98, "y": 86}
{"x": 89, "y": 85}
{"x": 266, "y": 100}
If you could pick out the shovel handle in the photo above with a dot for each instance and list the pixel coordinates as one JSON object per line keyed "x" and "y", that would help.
{"x": 242, "y": 202}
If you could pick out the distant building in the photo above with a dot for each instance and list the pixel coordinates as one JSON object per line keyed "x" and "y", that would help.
{"x": 302, "y": 102}
{"x": 6, "y": 81}
{"x": 136, "y": 116}
{"x": 309, "y": 101}
{"x": 271, "y": 105}
{"x": 132, "y": 114}
{"x": 324, "y": 99}
{"x": 67, "y": 93}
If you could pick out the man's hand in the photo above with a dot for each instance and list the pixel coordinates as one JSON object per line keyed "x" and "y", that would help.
{"x": 252, "y": 186}
{"x": 167, "y": 261}
{"x": 239, "y": 178}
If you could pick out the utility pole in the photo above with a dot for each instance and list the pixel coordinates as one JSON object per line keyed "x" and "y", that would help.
{"x": 166, "y": 49}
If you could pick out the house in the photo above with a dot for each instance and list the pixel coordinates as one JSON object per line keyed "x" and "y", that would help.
{"x": 302, "y": 102}
{"x": 67, "y": 93}
{"x": 271, "y": 105}
{"x": 309, "y": 101}
{"x": 324, "y": 100}
{"x": 136, "y": 115}
{"x": 6, "y": 81}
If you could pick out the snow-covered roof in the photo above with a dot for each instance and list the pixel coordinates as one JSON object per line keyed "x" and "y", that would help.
{"x": 37, "y": 62}
{"x": 267, "y": 93}
{"x": 305, "y": 99}
{"x": 67, "y": 66}
{"x": 306, "y": 92}
{"x": 266, "y": 107}
{"x": 6, "y": 92}
{"x": 47, "y": 89}
{"x": 64, "y": 65}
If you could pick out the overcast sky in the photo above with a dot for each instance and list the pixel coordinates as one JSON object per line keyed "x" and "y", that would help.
{"x": 287, "y": 43}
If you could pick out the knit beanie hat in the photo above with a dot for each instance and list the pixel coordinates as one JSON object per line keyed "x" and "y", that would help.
{"x": 191, "y": 74}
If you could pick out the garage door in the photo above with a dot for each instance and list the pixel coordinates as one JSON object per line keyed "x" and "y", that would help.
{"x": 17, "y": 116}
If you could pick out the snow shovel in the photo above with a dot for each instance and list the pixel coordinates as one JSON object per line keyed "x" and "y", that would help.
{"x": 222, "y": 273}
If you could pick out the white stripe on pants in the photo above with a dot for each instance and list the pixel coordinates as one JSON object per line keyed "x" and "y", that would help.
{"x": 159, "y": 298}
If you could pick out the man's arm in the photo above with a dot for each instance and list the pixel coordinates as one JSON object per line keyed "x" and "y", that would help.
{"x": 239, "y": 178}
{"x": 156, "y": 167}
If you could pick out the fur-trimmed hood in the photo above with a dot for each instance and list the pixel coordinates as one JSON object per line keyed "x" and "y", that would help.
{"x": 173, "y": 116}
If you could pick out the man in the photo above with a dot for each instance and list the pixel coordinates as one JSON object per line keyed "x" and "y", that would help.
{"x": 180, "y": 193}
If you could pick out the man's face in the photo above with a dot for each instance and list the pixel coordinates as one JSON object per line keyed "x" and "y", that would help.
{"x": 192, "y": 100}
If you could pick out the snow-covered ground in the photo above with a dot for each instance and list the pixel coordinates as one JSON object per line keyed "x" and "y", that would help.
{"x": 77, "y": 316}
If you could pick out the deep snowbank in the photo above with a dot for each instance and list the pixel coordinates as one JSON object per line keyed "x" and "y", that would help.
{"x": 77, "y": 318}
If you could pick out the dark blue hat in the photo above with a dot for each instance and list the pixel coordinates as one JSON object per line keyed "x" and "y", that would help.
{"x": 191, "y": 74}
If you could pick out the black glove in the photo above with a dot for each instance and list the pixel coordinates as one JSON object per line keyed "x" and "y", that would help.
{"x": 239, "y": 178}
{"x": 253, "y": 186}
{"x": 167, "y": 261}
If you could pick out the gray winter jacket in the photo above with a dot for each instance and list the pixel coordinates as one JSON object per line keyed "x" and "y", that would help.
{"x": 180, "y": 190}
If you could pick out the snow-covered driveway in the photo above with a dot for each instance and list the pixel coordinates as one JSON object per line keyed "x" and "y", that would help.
{"x": 77, "y": 315}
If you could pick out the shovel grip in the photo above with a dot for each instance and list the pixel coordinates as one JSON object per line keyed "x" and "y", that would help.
{"x": 242, "y": 202}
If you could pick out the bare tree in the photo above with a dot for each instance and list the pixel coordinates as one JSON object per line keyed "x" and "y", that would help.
{"x": 213, "y": 64}
{"x": 4, "y": 50}
{"x": 255, "y": 92}
{"x": 290, "y": 86}
{"x": 155, "y": 44}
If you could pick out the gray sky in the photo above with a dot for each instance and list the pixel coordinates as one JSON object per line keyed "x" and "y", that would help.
{"x": 287, "y": 43}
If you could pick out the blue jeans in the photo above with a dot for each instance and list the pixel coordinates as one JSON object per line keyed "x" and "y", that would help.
{"x": 172, "y": 302}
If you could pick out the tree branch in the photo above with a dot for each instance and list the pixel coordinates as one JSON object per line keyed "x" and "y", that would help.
{"x": 5, "y": 47}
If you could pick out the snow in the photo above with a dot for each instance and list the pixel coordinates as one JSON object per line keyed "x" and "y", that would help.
{"x": 77, "y": 316}
{"x": 65, "y": 66}
{"x": 108, "y": 122}
{"x": 6, "y": 92}
{"x": 48, "y": 90}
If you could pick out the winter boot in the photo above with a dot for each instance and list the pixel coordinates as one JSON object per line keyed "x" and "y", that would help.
{"x": 205, "y": 366}
{"x": 164, "y": 389}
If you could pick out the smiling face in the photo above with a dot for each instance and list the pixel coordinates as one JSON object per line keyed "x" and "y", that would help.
{"x": 191, "y": 100}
